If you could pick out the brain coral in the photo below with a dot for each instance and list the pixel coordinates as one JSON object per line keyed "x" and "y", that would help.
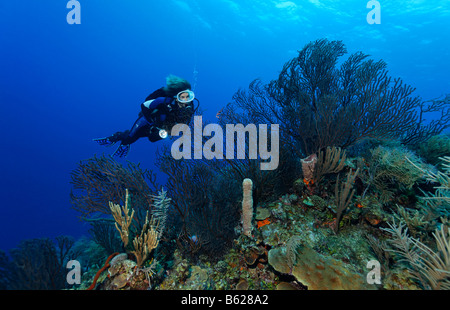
{"x": 316, "y": 271}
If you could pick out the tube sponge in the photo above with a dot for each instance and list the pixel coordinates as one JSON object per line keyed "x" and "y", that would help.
{"x": 247, "y": 207}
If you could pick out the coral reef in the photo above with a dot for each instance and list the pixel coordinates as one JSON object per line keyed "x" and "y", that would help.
{"x": 293, "y": 245}
{"x": 313, "y": 223}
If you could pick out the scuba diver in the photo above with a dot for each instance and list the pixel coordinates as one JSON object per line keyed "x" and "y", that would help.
{"x": 162, "y": 109}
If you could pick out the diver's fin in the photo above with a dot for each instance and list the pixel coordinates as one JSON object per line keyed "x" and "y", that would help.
{"x": 104, "y": 141}
{"x": 113, "y": 139}
{"x": 122, "y": 150}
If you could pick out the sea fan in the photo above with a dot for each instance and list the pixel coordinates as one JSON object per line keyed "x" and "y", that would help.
{"x": 431, "y": 268}
{"x": 161, "y": 205}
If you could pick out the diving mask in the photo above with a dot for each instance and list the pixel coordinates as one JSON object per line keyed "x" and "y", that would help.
{"x": 185, "y": 96}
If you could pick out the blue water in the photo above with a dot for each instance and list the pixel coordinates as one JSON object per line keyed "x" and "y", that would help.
{"x": 62, "y": 85}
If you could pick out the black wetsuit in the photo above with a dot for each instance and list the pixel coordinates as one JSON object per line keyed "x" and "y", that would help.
{"x": 162, "y": 113}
